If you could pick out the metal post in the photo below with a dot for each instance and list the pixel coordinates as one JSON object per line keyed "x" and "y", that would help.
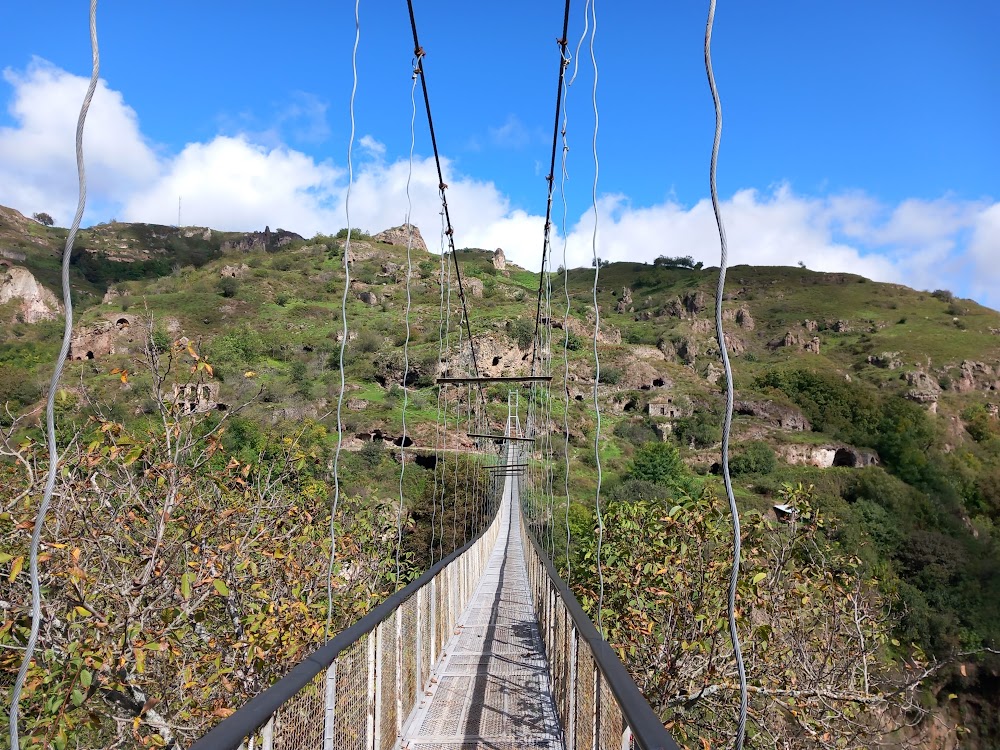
{"x": 331, "y": 714}
{"x": 419, "y": 682}
{"x": 434, "y": 592}
{"x": 571, "y": 689}
{"x": 267, "y": 735}
{"x": 371, "y": 696}
{"x": 398, "y": 688}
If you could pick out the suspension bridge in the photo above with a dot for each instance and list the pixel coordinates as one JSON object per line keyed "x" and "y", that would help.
{"x": 489, "y": 648}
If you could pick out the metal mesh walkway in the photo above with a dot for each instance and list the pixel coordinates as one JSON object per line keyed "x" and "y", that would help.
{"x": 491, "y": 687}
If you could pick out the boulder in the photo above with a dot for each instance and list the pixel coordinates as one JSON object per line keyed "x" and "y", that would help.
{"x": 369, "y": 298}
{"x": 474, "y": 286}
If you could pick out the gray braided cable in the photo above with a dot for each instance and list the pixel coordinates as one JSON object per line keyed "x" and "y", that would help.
{"x": 727, "y": 424}
{"x": 409, "y": 303}
{"x": 592, "y": 7}
{"x": 50, "y": 417}
{"x": 343, "y": 341}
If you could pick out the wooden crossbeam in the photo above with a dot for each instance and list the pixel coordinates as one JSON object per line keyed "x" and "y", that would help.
{"x": 499, "y": 437}
{"x": 505, "y": 467}
{"x": 515, "y": 379}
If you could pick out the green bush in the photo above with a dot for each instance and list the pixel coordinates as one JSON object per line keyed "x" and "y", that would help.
{"x": 658, "y": 463}
{"x": 756, "y": 458}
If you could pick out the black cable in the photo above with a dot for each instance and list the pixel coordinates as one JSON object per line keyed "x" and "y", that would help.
{"x": 563, "y": 62}
{"x": 418, "y": 53}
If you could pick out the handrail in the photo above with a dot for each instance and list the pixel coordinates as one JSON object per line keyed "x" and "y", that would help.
{"x": 646, "y": 727}
{"x": 231, "y": 732}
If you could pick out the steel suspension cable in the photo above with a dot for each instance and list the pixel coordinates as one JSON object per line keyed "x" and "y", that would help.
{"x": 344, "y": 333}
{"x": 728, "y": 422}
{"x": 406, "y": 343}
{"x": 50, "y": 417}
{"x": 419, "y": 54}
{"x": 563, "y": 62}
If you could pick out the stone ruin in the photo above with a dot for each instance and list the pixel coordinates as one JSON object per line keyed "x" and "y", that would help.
{"x": 196, "y": 398}
{"x": 667, "y": 409}
{"x": 120, "y": 334}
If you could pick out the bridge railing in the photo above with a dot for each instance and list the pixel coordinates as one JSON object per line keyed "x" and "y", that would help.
{"x": 356, "y": 692}
{"x": 599, "y": 705}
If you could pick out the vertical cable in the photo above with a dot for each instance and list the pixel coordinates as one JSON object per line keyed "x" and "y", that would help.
{"x": 50, "y": 417}
{"x": 592, "y": 4}
{"x": 727, "y": 425}
{"x": 565, "y": 279}
{"x": 343, "y": 342}
{"x": 409, "y": 302}
{"x": 438, "y": 426}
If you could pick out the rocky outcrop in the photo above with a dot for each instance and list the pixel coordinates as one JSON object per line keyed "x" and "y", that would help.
{"x": 777, "y": 415}
{"x": 499, "y": 259}
{"x": 474, "y": 286}
{"x": 811, "y": 325}
{"x": 924, "y": 389}
{"x": 625, "y": 303}
{"x": 234, "y": 272}
{"x": 118, "y": 335}
{"x": 687, "y": 350}
{"x": 695, "y": 302}
{"x": 403, "y": 235}
{"x": 976, "y": 376}
{"x": 885, "y": 360}
{"x": 825, "y": 456}
{"x": 260, "y": 241}
{"x": 369, "y": 298}
{"x": 812, "y": 345}
{"x": 607, "y": 335}
{"x": 35, "y": 302}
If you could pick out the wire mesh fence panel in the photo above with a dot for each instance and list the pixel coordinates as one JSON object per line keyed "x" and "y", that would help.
{"x": 388, "y": 707}
{"x": 425, "y": 640}
{"x": 586, "y": 698}
{"x": 352, "y": 698}
{"x": 559, "y": 661}
{"x": 300, "y": 720}
{"x": 407, "y": 613}
{"x": 611, "y": 723}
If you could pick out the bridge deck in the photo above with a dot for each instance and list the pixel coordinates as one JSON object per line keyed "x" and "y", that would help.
{"x": 491, "y": 687}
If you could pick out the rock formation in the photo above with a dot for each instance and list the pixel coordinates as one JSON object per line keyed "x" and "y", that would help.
{"x": 401, "y": 235}
{"x": 35, "y": 302}
{"x": 499, "y": 259}
{"x": 625, "y": 303}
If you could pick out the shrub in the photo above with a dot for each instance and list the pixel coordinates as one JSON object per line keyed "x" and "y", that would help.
{"x": 943, "y": 294}
{"x": 756, "y": 458}
{"x": 658, "y": 463}
{"x": 368, "y": 341}
{"x": 573, "y": 342}
{"x": 282, "y": 299}
{"x": 611, "y": 375}
{"x": 228, "y": 286}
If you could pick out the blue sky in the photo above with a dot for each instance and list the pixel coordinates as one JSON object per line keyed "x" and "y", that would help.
{"x": 858, "y": 136}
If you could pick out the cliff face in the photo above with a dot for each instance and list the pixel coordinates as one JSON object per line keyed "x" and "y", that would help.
{"x": 35, "y": 302}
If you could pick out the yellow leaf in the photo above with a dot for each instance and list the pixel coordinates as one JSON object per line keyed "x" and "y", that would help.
{"x": 15, "y": 568}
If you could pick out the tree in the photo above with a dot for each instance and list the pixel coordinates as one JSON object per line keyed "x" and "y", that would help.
{"x": 180, "y": 578}
{"x": 814, "y": 627}
{"x": 658, "y": 463}
{"x": 43, "y": 218}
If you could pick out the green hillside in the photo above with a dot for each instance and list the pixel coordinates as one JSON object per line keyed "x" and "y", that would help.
{"x": 892, "y": 391}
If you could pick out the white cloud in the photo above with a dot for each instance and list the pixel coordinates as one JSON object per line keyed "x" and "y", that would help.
{"x": 236, "y": 182}
{"x": 512, "y": 134}
{"x": 37, "y": 154}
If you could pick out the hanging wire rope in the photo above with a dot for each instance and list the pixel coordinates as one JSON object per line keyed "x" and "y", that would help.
{"x": 728, "y": 422}
{"x": 343, "y": 341}
{"x": 442, "y": 316}
{"x": 50, "y": 417}
{"x": 565, "y": 279}
{"x": 592, "y": 7}
{"x": 418, "y": 53}
{"x": 563, "y": 62}
{"x": 458, "y": 426}
{"x": 409, "y": 303}
{"x": 468, "y": 422}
